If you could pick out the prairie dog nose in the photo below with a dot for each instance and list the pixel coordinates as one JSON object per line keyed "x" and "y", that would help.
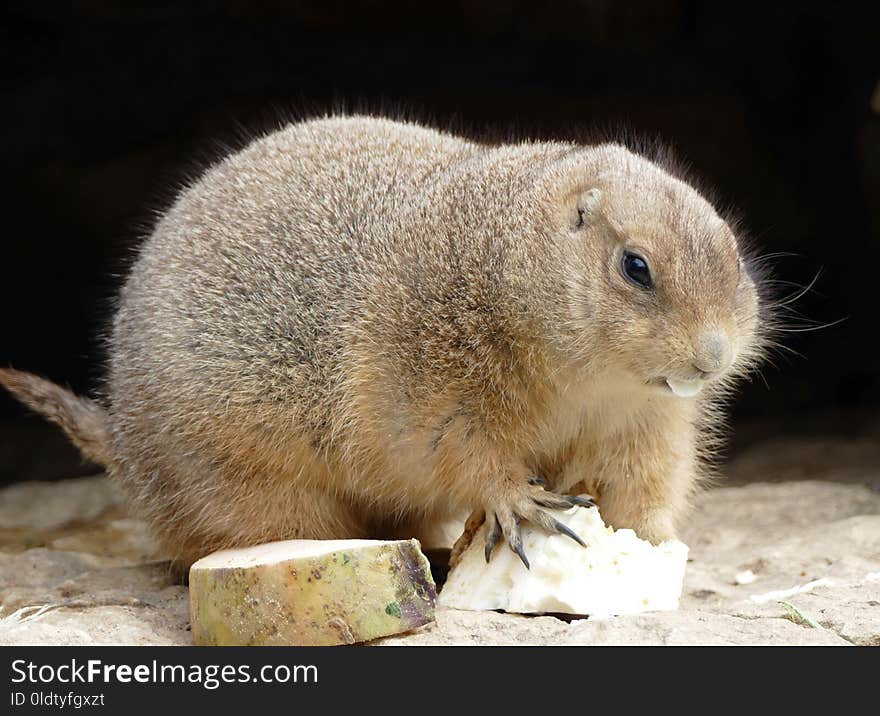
{"x": 711, "y": 352}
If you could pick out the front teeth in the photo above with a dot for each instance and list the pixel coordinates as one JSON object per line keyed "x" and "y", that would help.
{"x": 684, "y": 388}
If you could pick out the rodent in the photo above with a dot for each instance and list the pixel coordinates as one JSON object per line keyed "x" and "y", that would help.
{"x": 355, "y": 324}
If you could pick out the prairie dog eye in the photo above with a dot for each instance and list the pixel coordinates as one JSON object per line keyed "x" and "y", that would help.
{"x": 635, "y": 269}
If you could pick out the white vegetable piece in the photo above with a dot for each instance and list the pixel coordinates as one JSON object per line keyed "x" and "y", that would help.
{"x": 684, "y": 388}
{"x": 617, "y": 573}
{"x": 310, "y": 593}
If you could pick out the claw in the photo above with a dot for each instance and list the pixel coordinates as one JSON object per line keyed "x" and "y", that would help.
{"x": 580, "y": 500}
{"x": 517, "y": 546}
{"x": 535, "y": 480}
{"x": 563, "y": 502}
{"x": 568, "y": 532}
{"x": 551, "y": 501}
{"x": 492, "y": 536}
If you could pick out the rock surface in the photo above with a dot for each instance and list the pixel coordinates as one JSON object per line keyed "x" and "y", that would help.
{"x": 75, "y": 570}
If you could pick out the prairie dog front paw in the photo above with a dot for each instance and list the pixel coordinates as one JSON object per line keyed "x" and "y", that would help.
{"x": 504, "y": 515}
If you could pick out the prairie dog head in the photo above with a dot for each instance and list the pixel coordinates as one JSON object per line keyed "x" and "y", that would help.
{"x": 655, "y": 276}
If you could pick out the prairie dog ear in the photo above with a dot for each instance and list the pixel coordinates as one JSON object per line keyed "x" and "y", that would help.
{"x": 585, "y": 207}
{"x": 569, "y": 186}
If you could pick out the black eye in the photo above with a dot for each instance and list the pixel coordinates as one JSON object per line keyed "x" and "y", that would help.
{"x": 635, "y": 268}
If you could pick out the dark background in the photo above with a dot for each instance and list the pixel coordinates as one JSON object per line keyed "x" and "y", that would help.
{"x": 108, "y": 108}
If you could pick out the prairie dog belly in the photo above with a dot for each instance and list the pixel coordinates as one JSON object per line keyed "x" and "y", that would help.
{"x": 596, "y": 419}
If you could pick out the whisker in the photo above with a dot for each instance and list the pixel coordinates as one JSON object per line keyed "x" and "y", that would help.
{"x": 808, "y": 329}
{"x": 774, "y": 345}
{"x": 761, "y": 376}
{"x": 802, "y": 292}
{"x": 781, "y": 282}
{"x": 775, "y": 255}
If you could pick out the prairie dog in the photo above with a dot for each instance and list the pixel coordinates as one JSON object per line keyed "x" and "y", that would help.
{"x": 355, "y": 324}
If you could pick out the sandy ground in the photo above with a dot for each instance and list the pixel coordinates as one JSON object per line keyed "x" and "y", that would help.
{"x": 75, "y": 569}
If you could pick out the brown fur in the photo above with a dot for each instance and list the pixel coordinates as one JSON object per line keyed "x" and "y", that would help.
{"x": 82, "y": 419}
{"x": 355, "y": 322}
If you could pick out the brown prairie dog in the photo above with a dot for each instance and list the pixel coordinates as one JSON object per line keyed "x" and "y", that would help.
{"x": 355, "y": 324}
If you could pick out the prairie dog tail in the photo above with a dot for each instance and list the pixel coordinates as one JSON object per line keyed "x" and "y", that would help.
{"x": 84, "y": 421}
